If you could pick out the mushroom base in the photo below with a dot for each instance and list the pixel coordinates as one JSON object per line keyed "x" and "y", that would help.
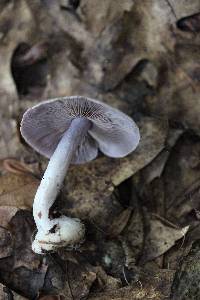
{"x": 65, "y": 232}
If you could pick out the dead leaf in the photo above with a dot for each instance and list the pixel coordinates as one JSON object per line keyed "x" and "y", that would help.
{"x": 6, "y": 243}
{"x": 17, "y": 190}
{"x": 80, "y": 281}
{"x": 187, "y": 280}
{"x": 183, "y": 8}
{"x": 132, "y": 238}
{"x": 7, "y": 294}
{"x": 17, "y": 167}
{"x": 23, "y": 270}
{"x": 119, "y": 223}
{"x": 182, "y": 167}
{"x": 160, "y": 238}
{"x": 6, "y": 214}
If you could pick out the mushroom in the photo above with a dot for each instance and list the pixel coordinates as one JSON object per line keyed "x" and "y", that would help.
{"x": 71, "y": 130}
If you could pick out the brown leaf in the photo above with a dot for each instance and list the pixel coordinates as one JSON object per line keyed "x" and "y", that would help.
{"x": 6, "y": 294}
{"x": 119, "y": 223}
{"x": 160, "y": 238}
{"x": 17, "y": 190}
{"x": 187, "y": 280}
{"x": 23, "y": 270}
{"x": 183, "y": 8}
{"x": 183, "y": 168}
{"x": 17, "y": 167}
{"x": 6, "y": 214}
{"x": 80, "y": 280}
{"x": 6, "y": 243}
{"x": 132, "y": 238}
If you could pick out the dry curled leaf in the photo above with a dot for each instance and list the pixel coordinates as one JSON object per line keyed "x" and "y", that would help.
{"x": 17, "y": 167}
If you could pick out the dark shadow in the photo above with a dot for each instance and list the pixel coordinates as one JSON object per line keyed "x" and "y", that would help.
{"x": 29, "y": 68}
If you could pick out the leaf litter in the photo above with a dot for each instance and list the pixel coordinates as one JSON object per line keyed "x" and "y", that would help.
{"x": 141, "y": 212}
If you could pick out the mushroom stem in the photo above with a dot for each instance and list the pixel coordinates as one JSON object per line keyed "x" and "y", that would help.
{"x": 54, "y": 175}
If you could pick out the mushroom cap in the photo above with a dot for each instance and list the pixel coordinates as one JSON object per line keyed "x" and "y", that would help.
{"x": 112, "y": 131}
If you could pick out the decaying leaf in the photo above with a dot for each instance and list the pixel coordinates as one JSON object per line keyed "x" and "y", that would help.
{"x": 7, "y": 294}
{"x": 182, "y": 167}
{"x": 6, "y": 239}
{"x": 80, "y": 280}
{"x": 67, "y": 279}
{"x": 186, "y": 283}
{"x": 119, "y": 223}
{"x": 6, "y": 214}
{"x": 132, "y": 238}
{"x": 17, "y": 167}
{"x": 17, "y": 190}
{"x": 160, "y": 238}
{"x": 22, "y": 262}
{"x": 5, "y": 243}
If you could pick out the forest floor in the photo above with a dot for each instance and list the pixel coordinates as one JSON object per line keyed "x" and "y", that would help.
{"x": 141, "y": 212}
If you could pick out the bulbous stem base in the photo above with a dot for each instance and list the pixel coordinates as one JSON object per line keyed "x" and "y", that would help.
{"x": 65, "y": 232}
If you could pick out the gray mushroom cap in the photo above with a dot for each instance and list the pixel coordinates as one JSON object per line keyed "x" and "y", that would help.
{"x": 112, "y": 131}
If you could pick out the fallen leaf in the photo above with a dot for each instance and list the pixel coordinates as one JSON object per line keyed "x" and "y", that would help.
{"x": 132, "y": 238}
{"x": 23, "y": 270}
{"x": 70, "y": 280}
{"x": 6, "y": 214}
{"x": 6, "y": 239}
{"x": 80, "y": 280}
{"x": 17, "y": 190}
{"x": 160, "y": 238}
{"x": 183, "y": 8}
{"x": 186, "y": 283}
{"x": 182, "y": 167}
{"x": 6, "y": 293}
{"x": 119, "y": 223}
{"x": 6, "y": 243}
{"x": 17, "y": 167}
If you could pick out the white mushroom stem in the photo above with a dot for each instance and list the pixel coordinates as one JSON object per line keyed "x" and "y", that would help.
{"x": 60, "y": 231}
